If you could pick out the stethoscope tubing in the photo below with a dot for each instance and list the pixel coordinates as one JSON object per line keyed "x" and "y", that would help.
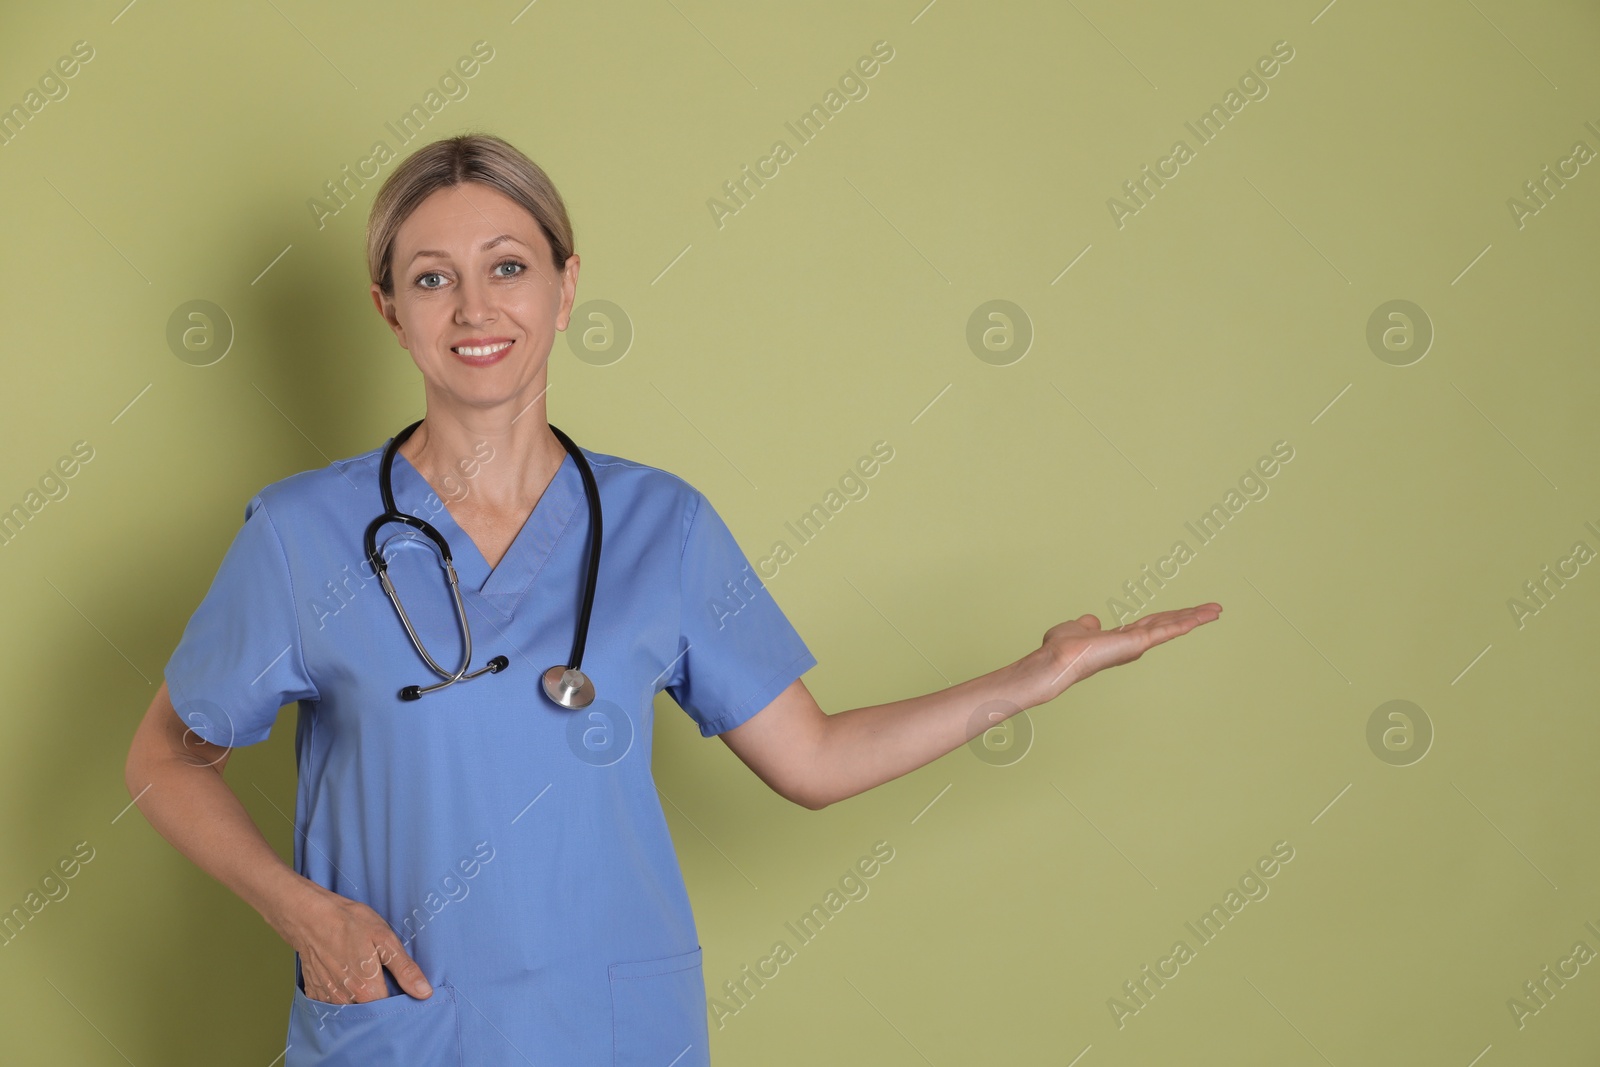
{"x": 566, "y": 685}
{"x": 592, "y": 492}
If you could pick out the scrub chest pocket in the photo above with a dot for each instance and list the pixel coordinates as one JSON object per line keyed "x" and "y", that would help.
{"x": 398, "y": 1029}
{"x": 658, "y": 1013}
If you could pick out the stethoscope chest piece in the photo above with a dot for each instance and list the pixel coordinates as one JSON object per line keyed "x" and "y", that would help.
{"x": 568, "y": 686}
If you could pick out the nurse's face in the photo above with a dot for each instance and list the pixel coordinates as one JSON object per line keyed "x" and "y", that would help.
{"x": 476, "y": 300}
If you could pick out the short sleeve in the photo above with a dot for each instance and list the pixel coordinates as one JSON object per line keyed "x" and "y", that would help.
{"x": 736, "y": 649}
{"x": 240, "y": 657}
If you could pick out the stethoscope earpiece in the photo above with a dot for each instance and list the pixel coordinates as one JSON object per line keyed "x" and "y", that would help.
{"x": 565, "y": 684}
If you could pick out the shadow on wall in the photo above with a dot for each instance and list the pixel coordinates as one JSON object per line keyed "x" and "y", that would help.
{"x": 310, "y": 359}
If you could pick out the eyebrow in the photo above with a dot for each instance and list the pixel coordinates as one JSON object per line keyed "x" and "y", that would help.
{"x": 490, "y": 243}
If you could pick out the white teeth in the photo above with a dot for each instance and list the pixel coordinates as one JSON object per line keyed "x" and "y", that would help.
{"x": 482, "y": 350}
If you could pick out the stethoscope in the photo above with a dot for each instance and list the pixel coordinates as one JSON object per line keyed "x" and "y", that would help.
{"x": 565, "y": 684}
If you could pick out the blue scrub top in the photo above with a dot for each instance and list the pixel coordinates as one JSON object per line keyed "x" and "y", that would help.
{"x": 517, "y": 848}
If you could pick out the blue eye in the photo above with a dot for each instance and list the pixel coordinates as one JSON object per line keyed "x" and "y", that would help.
{"x": 521, "y": 268}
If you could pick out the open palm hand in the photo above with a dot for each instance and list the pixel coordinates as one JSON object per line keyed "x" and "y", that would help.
{"x": 1075, "y": 649}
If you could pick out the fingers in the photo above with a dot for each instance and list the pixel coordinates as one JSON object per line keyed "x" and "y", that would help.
{"x": 1202, "y": 612}
{"x": 1165, "y": 625}
{"x": 329, "y": 988}
{"x": 343, "y": 959}
{"x": 355, "y": 983}
{"x": 405, "y": 970}
{"x": 1161, "y": 618}
{"x": 1186, "y": 621}
{"x": 357, "y": 987}
{"x": 318, "y": 979}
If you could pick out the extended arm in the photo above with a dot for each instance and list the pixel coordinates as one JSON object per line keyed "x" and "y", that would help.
{"x": 815, "y": 759}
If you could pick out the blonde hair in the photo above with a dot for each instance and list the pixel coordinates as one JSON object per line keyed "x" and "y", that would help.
{"x": 472, "y": 157}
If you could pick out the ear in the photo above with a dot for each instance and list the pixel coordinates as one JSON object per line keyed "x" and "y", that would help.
{"x": 385, "y": 306}
{"x": 569, "y": 291}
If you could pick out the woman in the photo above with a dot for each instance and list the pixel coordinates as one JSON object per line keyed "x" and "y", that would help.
{"x": 482, "y": 875}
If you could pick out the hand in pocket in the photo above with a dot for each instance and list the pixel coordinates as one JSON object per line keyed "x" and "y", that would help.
{"x": 344, "y": 947}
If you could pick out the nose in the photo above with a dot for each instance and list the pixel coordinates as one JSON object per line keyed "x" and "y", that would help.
{"x": 474, "y": 302}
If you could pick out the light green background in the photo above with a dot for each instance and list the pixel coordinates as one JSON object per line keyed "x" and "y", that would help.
{"x": 831, "y": 312}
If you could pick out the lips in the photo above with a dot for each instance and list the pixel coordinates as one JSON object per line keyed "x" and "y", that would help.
{"x": 482, "y": 352}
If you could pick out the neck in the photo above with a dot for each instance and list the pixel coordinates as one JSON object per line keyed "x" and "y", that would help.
{"x": 495, "y": 458}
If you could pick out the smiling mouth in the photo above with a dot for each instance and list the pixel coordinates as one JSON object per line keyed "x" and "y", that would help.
{"x": 480, "y": 351}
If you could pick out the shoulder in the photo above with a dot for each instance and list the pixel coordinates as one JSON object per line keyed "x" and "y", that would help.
{"x": 315, "y": 493}
{"x": 664, "y": 504}
{"x": 641, "y": 482}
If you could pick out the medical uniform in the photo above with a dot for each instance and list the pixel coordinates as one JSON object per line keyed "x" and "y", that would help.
{"x": 517, "y": 848}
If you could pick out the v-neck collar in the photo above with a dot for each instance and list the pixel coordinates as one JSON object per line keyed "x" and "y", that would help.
{"x": 503, "y": 586}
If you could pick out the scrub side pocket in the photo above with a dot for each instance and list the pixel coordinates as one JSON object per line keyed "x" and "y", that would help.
{"x": 658, "y": 1013}
{"x": 393, "y": 1030}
